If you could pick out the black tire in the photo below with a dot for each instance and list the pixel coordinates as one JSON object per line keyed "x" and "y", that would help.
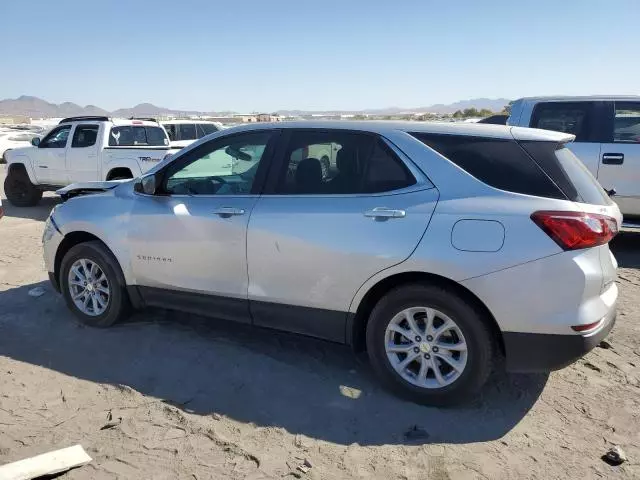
{"x": 477, "y": 334}
{"x": 119, "y": 306}
{"x": 20, "y": 191}
{"x": 121, "y": 177}
{"x": 4, "y": 156}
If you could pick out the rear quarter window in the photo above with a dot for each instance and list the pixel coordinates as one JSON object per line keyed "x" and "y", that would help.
{"x": 499, "y": 163}
{"x": 568, "y": 172}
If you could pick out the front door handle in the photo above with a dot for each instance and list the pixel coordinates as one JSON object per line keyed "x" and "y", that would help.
{"x": 227, "y": 212}
{"x": 381, "y": 213}
{"x": 613, "y": 158}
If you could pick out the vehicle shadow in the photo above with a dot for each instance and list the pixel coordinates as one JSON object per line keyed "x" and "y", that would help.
{"x": 626, "y": 248}
{"x": 40, "y": 212}
{"x": 306, "y": 386}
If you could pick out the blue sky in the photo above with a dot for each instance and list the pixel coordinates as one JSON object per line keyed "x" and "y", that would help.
{"x": 320, "y": 54}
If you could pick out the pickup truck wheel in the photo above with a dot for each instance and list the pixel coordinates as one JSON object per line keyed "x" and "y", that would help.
{"x": 92, "y": 284}
{"x": 20, "y": 191}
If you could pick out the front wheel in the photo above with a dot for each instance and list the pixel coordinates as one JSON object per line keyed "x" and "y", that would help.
{"x": 429, "y": 345}
{"x": 92, "y": 285}
{"x": 20, "y": 191}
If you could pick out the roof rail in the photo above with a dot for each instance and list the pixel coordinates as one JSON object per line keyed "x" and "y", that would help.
{"x": 84, "y": 117}
{"x": 146, "y": 119}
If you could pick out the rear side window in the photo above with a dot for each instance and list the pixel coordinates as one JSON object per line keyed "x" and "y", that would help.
{"x": 575, "y": 118}
{"x": 172, "y": 132}
{"x": 84, "y": 136}
{"x": 499, "y": 163}
{"x": 568, "y": 172}
{"x": 340, "y": 163}
{"x": 136, "y": 136}
{"x": 626, "y": 123}
{"x": 187, "y": 131}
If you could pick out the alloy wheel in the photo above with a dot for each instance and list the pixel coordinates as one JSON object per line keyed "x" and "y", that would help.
{"x": 425, "y": 347}
{"x": 89, "y": 287}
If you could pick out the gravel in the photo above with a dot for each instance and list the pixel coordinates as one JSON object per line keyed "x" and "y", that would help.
{"x": 199, "y": 398}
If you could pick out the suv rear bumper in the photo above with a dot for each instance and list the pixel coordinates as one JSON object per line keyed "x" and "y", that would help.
{"x": 540, "y": 352}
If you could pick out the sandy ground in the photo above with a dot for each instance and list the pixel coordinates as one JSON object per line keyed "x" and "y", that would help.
{"x": 202, "y": 399}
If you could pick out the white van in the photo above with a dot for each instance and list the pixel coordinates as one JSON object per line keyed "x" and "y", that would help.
{"x": 184, "y": 132}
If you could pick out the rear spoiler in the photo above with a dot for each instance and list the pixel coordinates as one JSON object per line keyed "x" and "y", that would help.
{"x": 536, "y": 134}
{"x": 87, "y": 188}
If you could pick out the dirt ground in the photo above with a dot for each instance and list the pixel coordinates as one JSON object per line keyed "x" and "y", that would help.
{"x": 201, "y": 399}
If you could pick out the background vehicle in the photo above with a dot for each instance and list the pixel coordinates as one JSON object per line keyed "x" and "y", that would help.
{"x": 325, "y": 152}
{"x": 498, "y": 119}
{"x": 185, "y": 132}
{"x": 607, "y": 130}
{"x": 14, "y": 139}
{"x": 82, "y": 149}
{"x": 433, "y": 247}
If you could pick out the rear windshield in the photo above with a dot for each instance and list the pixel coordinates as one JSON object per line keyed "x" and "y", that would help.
{"x": 136, "y": 136}
{"x": 568, "y": 172}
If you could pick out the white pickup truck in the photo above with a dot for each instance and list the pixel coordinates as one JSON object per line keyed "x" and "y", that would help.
{"x": 607, "y": 130}
{"x": 82, "y": 149}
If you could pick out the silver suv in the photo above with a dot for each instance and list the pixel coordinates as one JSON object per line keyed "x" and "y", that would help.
{"x": 433, "y": 247}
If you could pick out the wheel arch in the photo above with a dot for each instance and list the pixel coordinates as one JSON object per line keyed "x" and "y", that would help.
{"x": 357, "y": 322}
{"x": 20, "y": 167}
{"x": 119, "y": 172}
{"x": 72, "y": 239}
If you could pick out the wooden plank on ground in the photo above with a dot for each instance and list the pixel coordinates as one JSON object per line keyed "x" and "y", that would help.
{"x": 45, "y": 464}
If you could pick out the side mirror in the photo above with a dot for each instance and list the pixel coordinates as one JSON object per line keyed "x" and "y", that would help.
{"x": 35, "y": 141}
{"x": 146, "y": 185}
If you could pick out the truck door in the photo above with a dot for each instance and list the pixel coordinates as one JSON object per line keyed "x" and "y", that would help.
{"x": 82, "y": 155}
{"x": 620, "y": 156}
{"x": 50, "y": 163}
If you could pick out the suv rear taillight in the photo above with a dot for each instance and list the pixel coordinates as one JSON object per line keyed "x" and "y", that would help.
{"x": 575, "y": 230}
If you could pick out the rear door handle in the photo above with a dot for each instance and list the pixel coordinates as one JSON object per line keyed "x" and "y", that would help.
{"x": 228, "y": 211}
{"x": 384, "y": 213}
{"x": 613, "y": 158}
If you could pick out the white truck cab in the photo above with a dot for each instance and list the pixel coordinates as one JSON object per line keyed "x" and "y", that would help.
{"x": 607, "y": 130}
{"x": 82, "y": 149}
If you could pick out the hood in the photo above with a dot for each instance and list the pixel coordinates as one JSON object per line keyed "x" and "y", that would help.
{"x": 87, "y": 188}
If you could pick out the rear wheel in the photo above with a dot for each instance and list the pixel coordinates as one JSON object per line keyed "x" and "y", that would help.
{"x": 92, "y": 285}
{"x": 429, "y": 345}
{"x": 20, "y": 191}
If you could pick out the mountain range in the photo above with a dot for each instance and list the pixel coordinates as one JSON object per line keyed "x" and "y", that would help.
{"x": 35, "y": 107}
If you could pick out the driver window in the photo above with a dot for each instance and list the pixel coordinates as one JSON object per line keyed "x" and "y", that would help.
{"x": 57, "y": 138}
{"x": 223, "y": 167}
